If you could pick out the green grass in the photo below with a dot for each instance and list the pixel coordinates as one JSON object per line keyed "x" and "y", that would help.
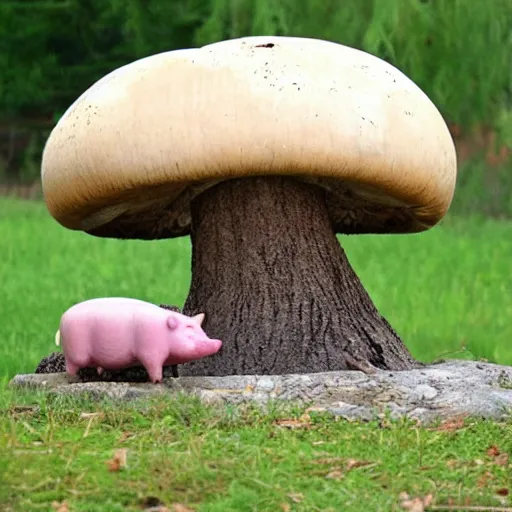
{"x": 441, "y": 289}
{"x": 235, "y": 460}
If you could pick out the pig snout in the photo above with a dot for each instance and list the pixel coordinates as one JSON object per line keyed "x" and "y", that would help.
{"x": 188, "y": 340}
{"x": 194, "y": 350}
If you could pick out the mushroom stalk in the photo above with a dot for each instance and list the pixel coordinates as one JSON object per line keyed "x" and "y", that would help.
{"x": 277, "y": 288}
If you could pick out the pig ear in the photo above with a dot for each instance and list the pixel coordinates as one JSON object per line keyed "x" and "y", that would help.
{"x": 198, "y": 319}
{"x": 172, "y": 321}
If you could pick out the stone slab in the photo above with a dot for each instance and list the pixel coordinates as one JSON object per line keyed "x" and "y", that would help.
{"x": 448, "y": 389}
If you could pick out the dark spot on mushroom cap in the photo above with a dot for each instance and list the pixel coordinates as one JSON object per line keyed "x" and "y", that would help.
{"x": 267, "y": 45}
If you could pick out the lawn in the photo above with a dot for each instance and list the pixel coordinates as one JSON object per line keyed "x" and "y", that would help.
{"x": 239, "y": 460}
{"x": 442, "y": 290}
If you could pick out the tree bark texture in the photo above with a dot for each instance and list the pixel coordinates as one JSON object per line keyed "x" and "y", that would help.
{"x": 277, "y": 288}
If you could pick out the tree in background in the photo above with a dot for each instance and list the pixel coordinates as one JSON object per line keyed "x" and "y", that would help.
{"x": 457, "y": 51}
{"x": 51, "y": 51}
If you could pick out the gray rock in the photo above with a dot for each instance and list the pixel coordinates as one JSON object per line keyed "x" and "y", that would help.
{"x": 447, "y": 389}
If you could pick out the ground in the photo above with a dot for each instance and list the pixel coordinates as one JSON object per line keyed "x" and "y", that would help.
{"x": 105, "y": 457}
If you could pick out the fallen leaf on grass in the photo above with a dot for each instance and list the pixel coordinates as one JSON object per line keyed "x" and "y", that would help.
{"x": 118, "y": 462}
{"x": 335, "y": 474}
{"x": 353, "y": 463}
{"x": 302, "y": 422}
{"x": 285, "y": 507}
{"x": 483, "y": 480}
{"x": 415, "y": 504}
{"x": 502, "y": 492}
{"x": 450, "y": 424}
{"x": 296, "y": 497}
{"x": 499, "y": 458}
{"x": 493, "y": 451}
{"x": 125, "y": 436}
{"x": 466, "y": 505}
{"x": 60, "y": 507}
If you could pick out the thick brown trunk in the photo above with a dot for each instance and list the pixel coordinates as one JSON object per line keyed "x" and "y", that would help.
{"x": 277, "y": 288}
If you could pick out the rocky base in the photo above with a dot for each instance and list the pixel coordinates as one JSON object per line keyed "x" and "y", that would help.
{"x": 447, "y": 389}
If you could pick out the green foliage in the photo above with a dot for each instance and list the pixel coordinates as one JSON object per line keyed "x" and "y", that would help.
{"x": 23, "y": 59}
{"x": 458, "y": 51}
{"x": 51, "y": 51}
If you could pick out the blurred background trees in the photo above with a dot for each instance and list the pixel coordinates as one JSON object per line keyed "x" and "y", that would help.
{"x": 458, "y": 51}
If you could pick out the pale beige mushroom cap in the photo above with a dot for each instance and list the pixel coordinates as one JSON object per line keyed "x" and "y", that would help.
{"x": 129, "y": 155}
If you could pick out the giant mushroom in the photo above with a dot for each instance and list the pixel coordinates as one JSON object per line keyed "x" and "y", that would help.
{"x": 262, "y": 149}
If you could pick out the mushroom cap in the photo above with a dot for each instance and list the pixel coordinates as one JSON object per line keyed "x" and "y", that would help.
{"x": 129, "y": 155}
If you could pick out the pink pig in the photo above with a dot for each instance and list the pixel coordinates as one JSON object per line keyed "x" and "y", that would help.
{"x": 114, "y": 333}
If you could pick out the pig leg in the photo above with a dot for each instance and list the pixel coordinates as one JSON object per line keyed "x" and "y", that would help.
{"x": 100, "y": 370}
{"x": 155, "y": 372}
{"x": 71, "y": 368}
{"x": 153, "y": 363}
